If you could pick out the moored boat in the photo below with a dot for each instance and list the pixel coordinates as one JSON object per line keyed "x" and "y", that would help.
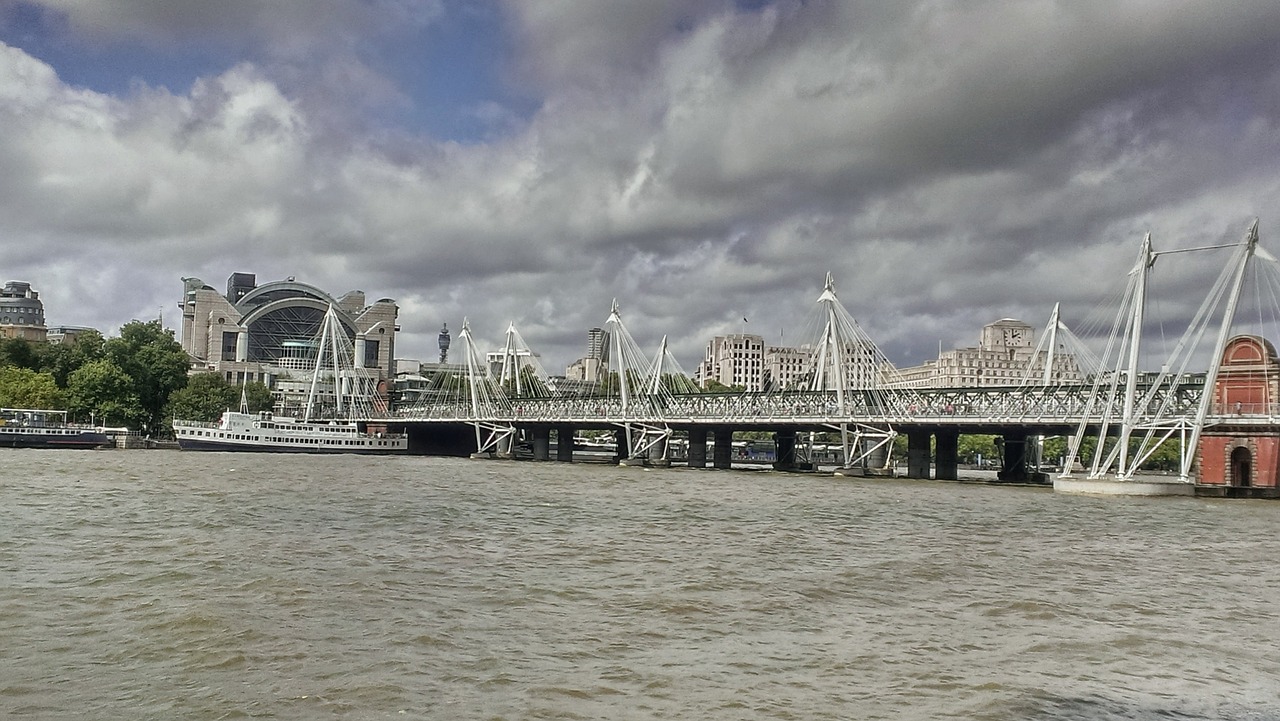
{"x": 34, "y": 428}
{"x": 266, "y": 432}
{"x": 335, "y": 383}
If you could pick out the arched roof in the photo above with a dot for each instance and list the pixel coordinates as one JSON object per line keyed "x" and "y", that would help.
{"x": 278, "y": 290}
{"x": 294, "y": 302}
{"x": 1249, "y": 348}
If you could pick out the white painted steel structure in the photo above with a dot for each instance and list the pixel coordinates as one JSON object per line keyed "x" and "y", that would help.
{"x": 847, "y": 394}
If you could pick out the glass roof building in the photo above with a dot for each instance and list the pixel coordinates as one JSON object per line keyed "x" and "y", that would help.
{"x": 263, "y": 332}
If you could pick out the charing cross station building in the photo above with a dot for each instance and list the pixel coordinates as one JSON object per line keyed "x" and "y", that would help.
{"x": 269, "y": 332}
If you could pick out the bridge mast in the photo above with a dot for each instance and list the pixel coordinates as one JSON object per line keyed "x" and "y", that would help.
{"x": 1146, "y": 260}
{"x": 614, "y": 322}
{"x": 1053, "y": 344}
{"x": 1215, "y": 362}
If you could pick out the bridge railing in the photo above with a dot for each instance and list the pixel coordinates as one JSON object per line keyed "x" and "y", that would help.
{"x": 1028, "y": 404}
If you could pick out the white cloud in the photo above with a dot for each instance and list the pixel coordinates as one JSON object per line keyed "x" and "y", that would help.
{"x": 950, "y": 163}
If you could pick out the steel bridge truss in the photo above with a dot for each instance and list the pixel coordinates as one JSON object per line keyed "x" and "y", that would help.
{"x": 645, "y": 401}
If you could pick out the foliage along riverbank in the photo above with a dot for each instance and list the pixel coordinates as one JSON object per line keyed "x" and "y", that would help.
{"x": 137, "y": 380}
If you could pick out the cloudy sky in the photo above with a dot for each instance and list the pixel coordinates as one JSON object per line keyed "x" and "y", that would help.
{"x": 702, "y": 161}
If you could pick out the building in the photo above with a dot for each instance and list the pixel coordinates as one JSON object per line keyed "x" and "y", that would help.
{"x": 1240, "y": 456}
{"x": 735, "y": 360}
{"x": 787, "y": 367}
{"x": 269, "y": 332}
{"x": 1006, "y": 355}
{"x": 21, "y": 312}
{"x": 587, "y": 368}
{"x": 68, "y": 334}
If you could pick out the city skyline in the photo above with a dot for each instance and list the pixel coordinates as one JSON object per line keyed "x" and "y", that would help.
{"x": 702, "y": 162}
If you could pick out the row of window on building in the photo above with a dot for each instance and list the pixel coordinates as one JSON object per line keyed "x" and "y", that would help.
{"x": 1005, "y": 353}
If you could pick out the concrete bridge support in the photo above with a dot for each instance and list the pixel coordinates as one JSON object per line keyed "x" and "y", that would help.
{"x": 784, "y": 457}
{"x": 946, "y": 455}
{"x": 564, "y": 443}
{"x": 722, "y": 448}
{"x": 918, "y": 454}
{"x": 698, "y": 448}
{"x": 877, "y": 459}
{"x": 658, "y": 454}
{"x": 623, "y": 448}
{"x": 540, "y": 440}
{"x": 1013, "y": 466}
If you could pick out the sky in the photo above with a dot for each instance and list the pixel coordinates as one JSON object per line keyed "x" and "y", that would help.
{"x": 950, "y": 163}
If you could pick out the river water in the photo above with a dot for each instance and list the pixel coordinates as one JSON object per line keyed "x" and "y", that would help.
{"x": 167, "y": 585}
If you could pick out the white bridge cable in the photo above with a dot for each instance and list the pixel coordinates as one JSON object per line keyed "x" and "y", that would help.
{"x": 1174, "y": 402}
{"x": 463, "y": 391}
{"x": 844, "y": 367}
{"x": 521, "y": 374}
{"x": 337, "y": 388}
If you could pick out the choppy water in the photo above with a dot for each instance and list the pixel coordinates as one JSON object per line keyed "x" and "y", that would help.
{"x": 166, "y": 585}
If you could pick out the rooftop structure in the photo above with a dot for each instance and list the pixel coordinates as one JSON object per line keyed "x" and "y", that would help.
{"x": 264, "y": 332}
{"x": 1006, "y": 355}
{"x": 21, "y": 312}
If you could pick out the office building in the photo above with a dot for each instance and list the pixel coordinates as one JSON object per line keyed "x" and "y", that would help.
{"x": 21, "y": 312}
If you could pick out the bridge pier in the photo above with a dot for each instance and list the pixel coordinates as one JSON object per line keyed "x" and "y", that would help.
{"x": 658, "y": 454}
{"x": 722, "y": 448}
{"x": 506, "y": 448}
{"x": 540, "y": 439}
{"x": 622, "y": 447}
{"x": 784, "y": 455}
{"x": 877, "y": 459}
{"x": 918, "y": 453}
{"x": 1013, "y": 462}
{"x": 564, "y": 444}
{"x": 947, "y": 455}
{"x": 697, "y": 447}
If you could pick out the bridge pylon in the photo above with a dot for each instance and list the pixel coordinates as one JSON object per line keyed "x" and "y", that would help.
{"x": 1132, "y": 412}
{"x": 847, "y": 362}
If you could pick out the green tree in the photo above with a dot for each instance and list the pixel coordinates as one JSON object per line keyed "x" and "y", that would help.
{"x": 19, "y": 353}
{"x": 156, "y": 365}
{"x": 1166, "y": 457}
{"x": 62, "y": 359}
{"x": 257, "y": 396}
{"x": 204, "y": 398}
{"x": 102, "y": 391}
{"x": 207, "y": 395}
{"x": 714, "y": 386}
{"x": 25, "y": 388}
{"x": 970, "y": 447}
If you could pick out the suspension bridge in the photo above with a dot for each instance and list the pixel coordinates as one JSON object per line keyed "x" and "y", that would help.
{"x": 1115, "y": 414}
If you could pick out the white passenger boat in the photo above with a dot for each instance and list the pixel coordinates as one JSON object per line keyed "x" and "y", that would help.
{"x": 267, "y": 432}
{"x": 237, "y": 431}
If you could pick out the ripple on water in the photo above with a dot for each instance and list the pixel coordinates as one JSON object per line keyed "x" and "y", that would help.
{"x": 210, "y": 586}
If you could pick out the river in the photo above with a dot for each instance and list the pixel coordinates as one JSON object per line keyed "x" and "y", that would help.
{"x": 169, "y": 585}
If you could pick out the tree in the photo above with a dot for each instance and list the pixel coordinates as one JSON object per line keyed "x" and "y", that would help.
{"x": 970, "y": 447}
{"x": 62, "y": 359}
{"x": 18, "y": 353}
{"x": 101, "y": 390}
{"x": 712, "y": 385}
{"x": 207, "y": 395}
{"x": 25, "y": 388}
{"x": 156, "y": 364}
{"x": 258, "y": 397}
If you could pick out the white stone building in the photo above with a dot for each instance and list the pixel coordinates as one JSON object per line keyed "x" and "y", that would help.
{"x": 1005, "y": 356}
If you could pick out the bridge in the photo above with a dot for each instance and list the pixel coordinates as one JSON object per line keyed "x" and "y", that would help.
{"x": 853, "y": 392}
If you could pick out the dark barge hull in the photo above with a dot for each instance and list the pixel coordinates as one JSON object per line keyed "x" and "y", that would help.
{"x": 78, "y": 441}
